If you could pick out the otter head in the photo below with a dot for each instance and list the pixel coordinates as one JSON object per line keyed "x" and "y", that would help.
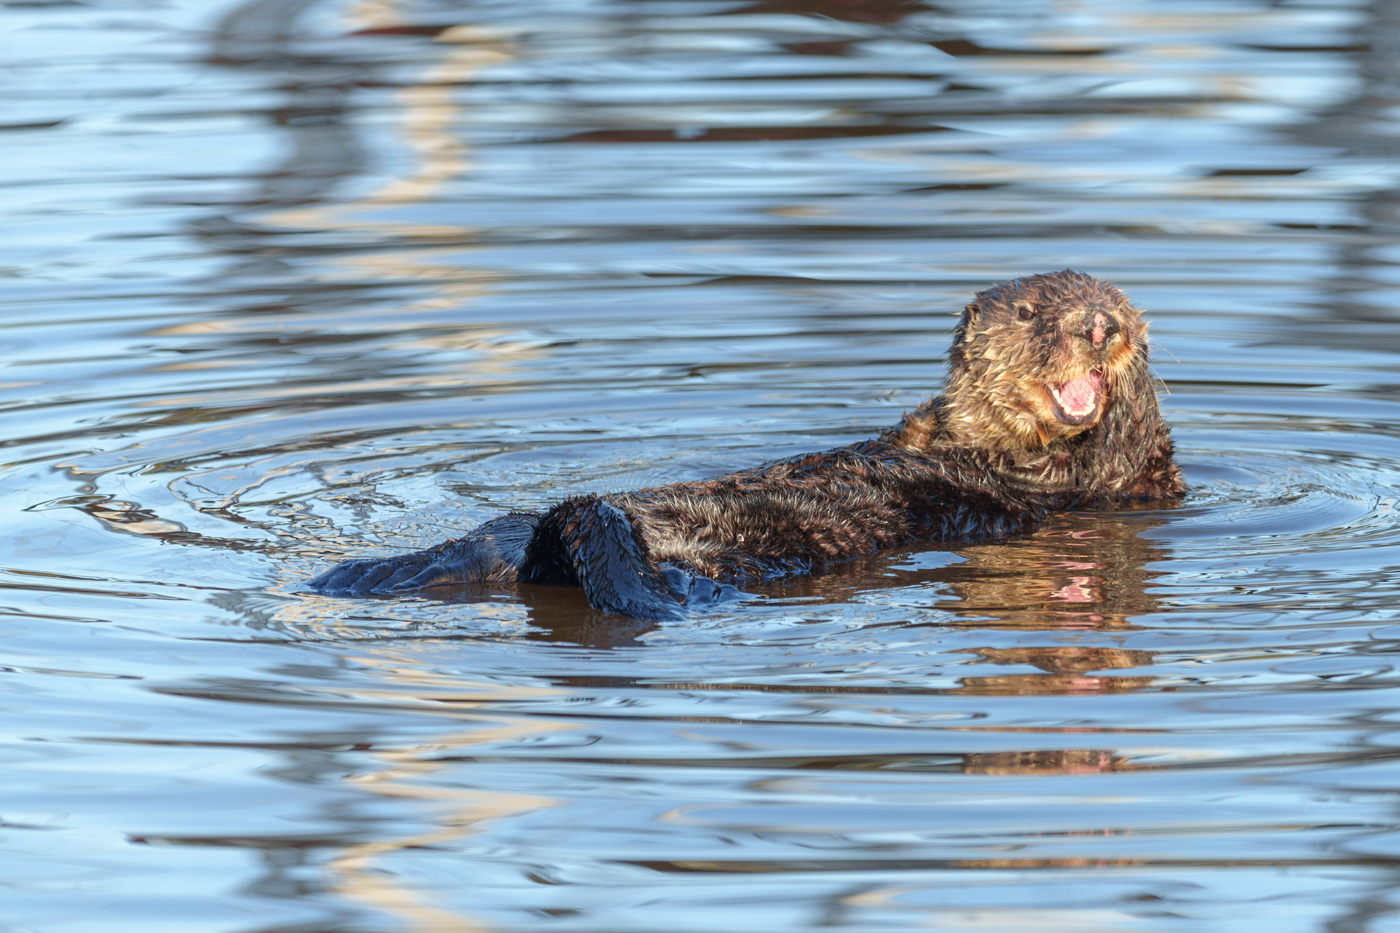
{"x": 1039, "y": 358}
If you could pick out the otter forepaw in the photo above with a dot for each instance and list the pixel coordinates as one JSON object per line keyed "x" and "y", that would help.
{"x": 698, "y": 592}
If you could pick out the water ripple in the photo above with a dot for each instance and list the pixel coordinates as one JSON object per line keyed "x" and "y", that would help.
{"x": 291, "y": 280}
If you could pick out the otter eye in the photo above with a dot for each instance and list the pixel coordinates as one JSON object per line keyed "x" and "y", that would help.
{"x": 1025, "y": 312}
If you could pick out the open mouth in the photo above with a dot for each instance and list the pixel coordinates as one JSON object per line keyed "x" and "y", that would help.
{"x": 1077, "y": 401}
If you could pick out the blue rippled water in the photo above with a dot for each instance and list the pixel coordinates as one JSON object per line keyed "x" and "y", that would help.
{"x": 284, "y": 281}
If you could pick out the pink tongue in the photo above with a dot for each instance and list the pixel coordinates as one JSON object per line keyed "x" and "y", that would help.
{"x": 1080, "y": 394}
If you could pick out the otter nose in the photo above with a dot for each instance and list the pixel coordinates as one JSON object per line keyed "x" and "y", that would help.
{"x": 1098, "y": 327}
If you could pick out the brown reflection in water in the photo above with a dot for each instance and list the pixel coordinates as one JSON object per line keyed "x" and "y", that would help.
{"x": 1079, "y": 571}
{"x": 1068, "y": 670}
{"x": 1047, "y": 761}
{"x": 565, "y": 616}
{"x": 875, "y": 12}
{"x": 756, "y": 866}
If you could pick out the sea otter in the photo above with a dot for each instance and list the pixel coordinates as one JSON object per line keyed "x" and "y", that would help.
{"x": 1049, "y": 404}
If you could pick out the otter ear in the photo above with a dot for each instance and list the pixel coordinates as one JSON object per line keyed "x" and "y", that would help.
{"x": 970, "y": 312}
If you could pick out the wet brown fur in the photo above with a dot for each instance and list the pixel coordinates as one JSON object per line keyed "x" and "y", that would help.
{"x": 996, "y": 396}
{"x": 989, "y": 457}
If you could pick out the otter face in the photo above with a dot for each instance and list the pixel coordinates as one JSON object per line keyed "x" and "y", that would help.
{"x": 1038, "y": 358}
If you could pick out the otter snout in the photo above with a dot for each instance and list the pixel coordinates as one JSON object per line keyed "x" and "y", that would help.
{"x": 1098, "y": 327}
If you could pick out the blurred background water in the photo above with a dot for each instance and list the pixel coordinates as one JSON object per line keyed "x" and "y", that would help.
{"x": 283, "y": 281}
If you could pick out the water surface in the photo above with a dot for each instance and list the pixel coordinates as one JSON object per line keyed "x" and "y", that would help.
{"x": 290, "y": 280}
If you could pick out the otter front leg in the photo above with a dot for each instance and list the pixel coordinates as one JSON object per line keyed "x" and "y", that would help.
{"x": 594, "y": 543}
{"x": 494, "y": 552}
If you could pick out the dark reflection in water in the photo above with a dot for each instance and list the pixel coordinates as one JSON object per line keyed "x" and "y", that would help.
{"x": 286, "y": 280}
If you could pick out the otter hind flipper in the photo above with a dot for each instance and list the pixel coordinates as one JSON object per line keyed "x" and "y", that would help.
{"x": 598, "y": 546}
{"x": 366, "y": 576}
{"x": 492, "y": 553}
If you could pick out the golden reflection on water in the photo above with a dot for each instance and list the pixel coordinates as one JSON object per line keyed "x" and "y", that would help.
{"x": 357, "y": 871}
{"x": 430, "y": 122}
{"x": 429, "y": 117}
